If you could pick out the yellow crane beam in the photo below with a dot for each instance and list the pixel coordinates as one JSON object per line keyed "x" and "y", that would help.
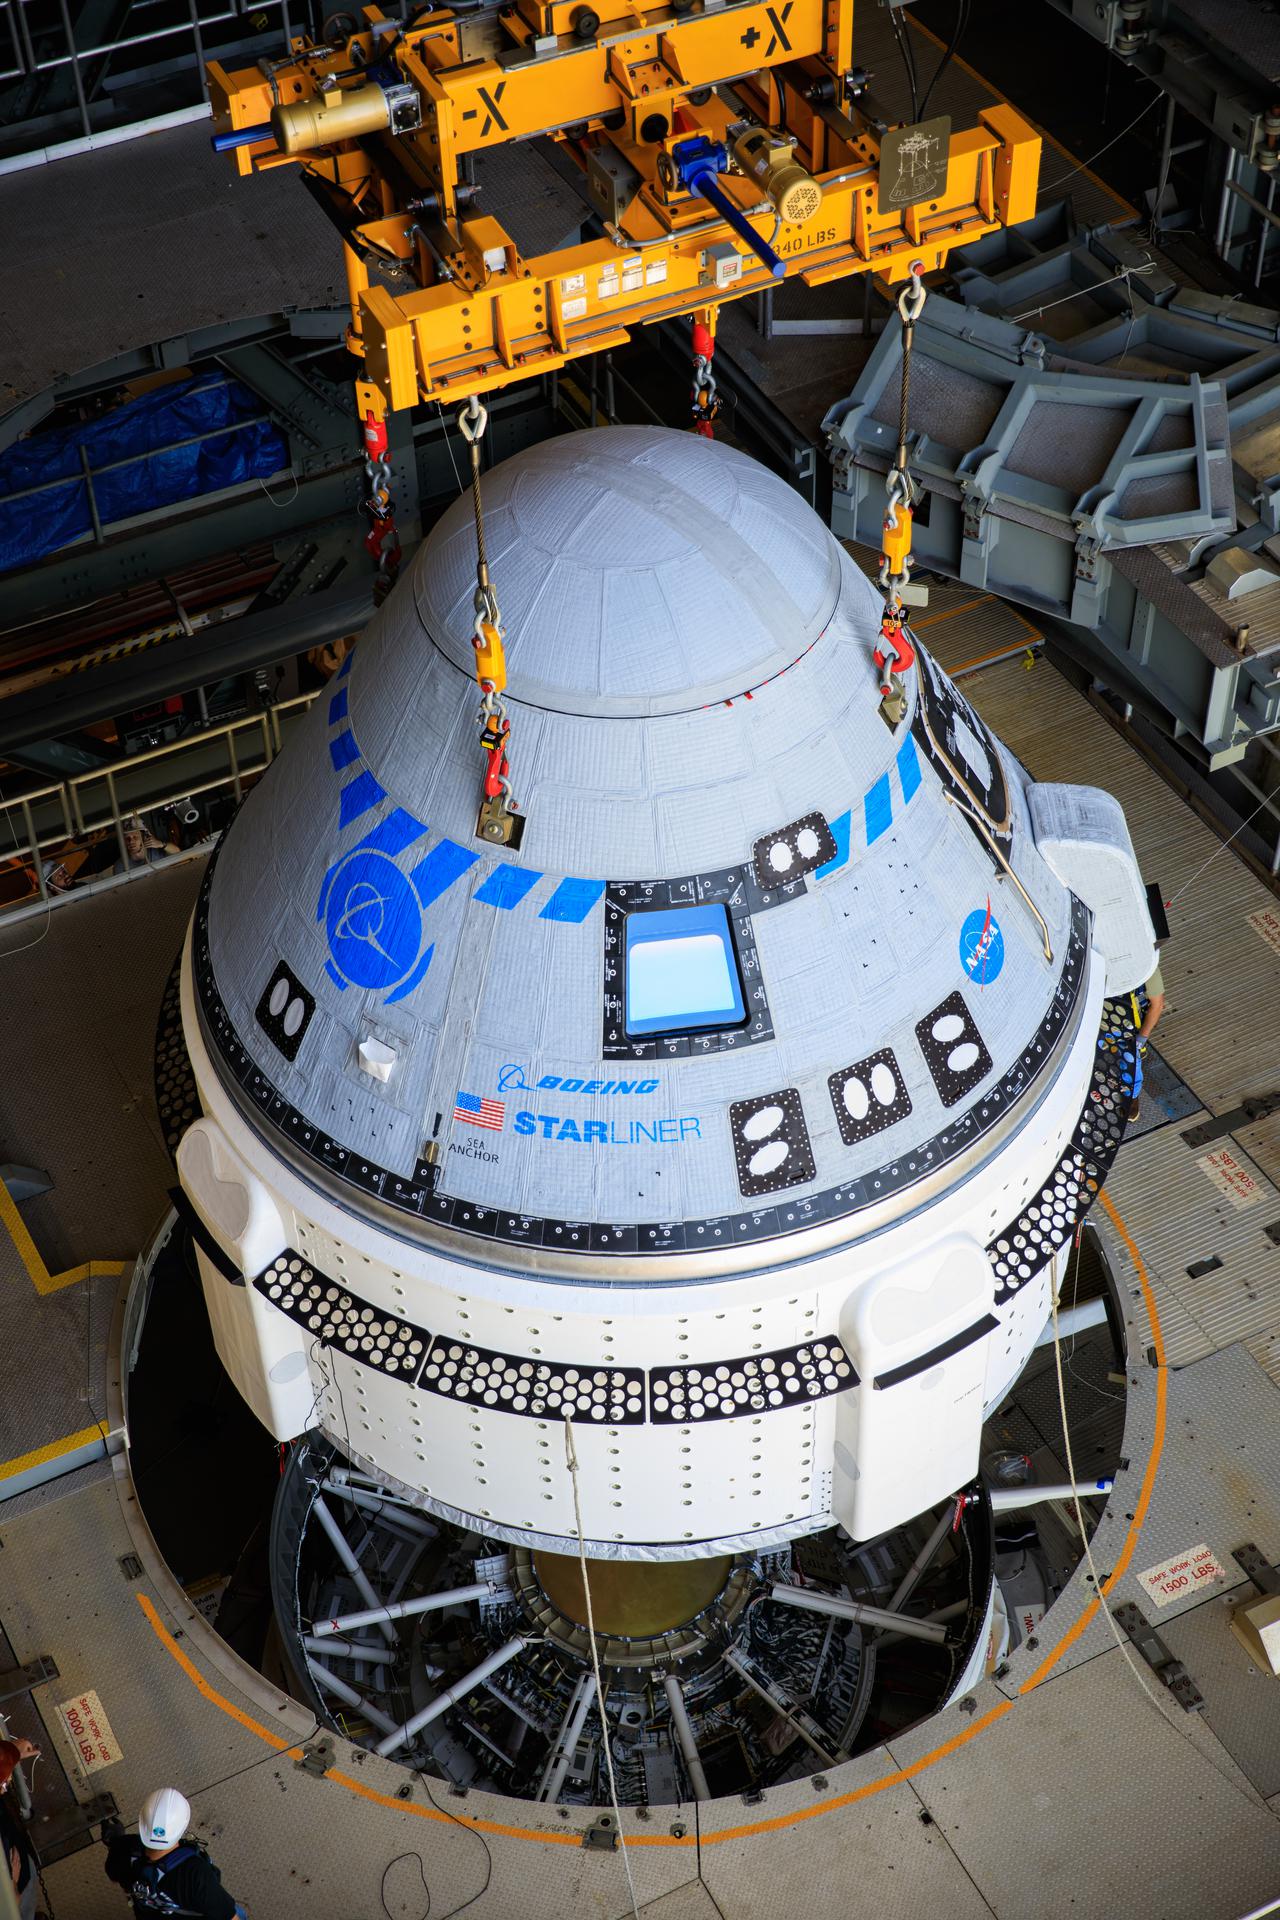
{"x": 724, "y": 143}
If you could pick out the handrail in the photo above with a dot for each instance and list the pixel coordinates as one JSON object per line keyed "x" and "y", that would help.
{"x": 84, "y": 813}
{"x": 27, "y": 62}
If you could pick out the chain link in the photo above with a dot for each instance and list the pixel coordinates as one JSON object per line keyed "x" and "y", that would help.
{"x": 706, "y": 396}
{"x": 382, "y": 541}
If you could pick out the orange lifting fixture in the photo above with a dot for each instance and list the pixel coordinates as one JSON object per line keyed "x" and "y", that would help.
{"x": 725, "y": 144}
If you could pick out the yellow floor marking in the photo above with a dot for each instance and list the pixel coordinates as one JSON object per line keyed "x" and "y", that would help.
{"x": 949, "y": 613}
{"x": 41, "y": 1279}
{"x": 70, "y": 1443}
{"x": 750, "y": 1828}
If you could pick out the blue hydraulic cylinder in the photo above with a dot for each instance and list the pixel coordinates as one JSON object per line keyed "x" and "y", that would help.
{"x": 241, "y": 137}
{"x": 697, "y": 162}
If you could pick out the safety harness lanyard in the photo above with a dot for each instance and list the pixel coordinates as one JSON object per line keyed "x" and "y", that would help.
{"x": 895, "y": 653}
{"x": 491, "y": 663}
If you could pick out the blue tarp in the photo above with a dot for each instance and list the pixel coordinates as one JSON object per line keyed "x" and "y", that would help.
{"x": 142, "y": 433}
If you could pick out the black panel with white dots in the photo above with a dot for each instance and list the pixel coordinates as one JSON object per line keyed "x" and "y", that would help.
{"x": 798, "y": 849}
{"x": 760, "y": 1383}
{"x": 177, "y": 1098}
{"x": 771, "y": 1142}
{"x": 474, "y": 1376}
{"x": 954, "y": 1050}
{"x": 869, "y": 1096}
{"x": 284, "y": 1011}
{"x": 336, "y": 1318}
{"x": 539, "y": 1389}
{"x": 1045, "y": 1225}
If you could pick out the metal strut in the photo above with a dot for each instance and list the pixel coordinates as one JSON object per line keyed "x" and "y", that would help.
{"x": 895, "y": 654}
{"x": 497, "y": 820}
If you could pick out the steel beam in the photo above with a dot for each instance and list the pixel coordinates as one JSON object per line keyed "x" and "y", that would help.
{"x": 1056, "y": 479}
{"x": 214, "y": 653}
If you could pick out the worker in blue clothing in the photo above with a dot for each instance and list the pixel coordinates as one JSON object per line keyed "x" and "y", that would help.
{"x": 164, "y": 1872}
{"x": 1148, "y": 1005}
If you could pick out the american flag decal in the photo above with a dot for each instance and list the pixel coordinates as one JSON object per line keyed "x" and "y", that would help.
{"x": 475, "y": 1111}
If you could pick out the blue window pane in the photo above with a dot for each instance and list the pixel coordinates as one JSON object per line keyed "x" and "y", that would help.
{"x": 682, "y": 972}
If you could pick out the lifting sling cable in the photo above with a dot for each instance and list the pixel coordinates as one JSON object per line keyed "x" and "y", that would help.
{"x": 382, "y": 541}
{"x": 497, "y": 808}
{"x": 895, "y": 654}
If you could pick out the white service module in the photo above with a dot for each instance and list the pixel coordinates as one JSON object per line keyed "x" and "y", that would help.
{"x": 1083, "y": 834}
{"x": 741, "y": 1117}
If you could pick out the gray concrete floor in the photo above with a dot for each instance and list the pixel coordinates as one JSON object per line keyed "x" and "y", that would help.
{"x": 77, "y": 1096}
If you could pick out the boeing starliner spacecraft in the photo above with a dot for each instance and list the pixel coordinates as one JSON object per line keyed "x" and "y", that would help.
{"x": 742, "y": 1117}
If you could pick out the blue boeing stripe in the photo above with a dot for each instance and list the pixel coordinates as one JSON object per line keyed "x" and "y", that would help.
{"x": 343, "y": 750}
{"x": 572, "y": 901}
{"x": 392, "y": 835}
{"x": 506, "y": 886}
{"x": 445, "y": 863}
{"x": 908, "y": 767}
{"x": 357, "y": 797}
{"x": 840, "y": 830}
{"x": 345, "y": 668}
{"x": 877, "y": 807}
{"x": 338, "y": 706}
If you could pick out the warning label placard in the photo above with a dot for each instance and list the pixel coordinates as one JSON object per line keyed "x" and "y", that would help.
{"x": 1267, "y": 923}
{"x": 1198, "y": 1567}
{"x": 89, "y": 1731}
{"x": 1229, "y": 1173}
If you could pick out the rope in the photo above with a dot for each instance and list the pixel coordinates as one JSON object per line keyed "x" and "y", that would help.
{"x": 1125, "y": 273}
{"x": 1047, "y": 186}
{"x": 572, "y": 1458}
{"x": 448, "y": 444}
{"x": 1224, "y": 845}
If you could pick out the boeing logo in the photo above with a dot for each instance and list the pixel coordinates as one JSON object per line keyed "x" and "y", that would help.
{"x": 511, "y": 1079}
{"x": 373, "y": 919}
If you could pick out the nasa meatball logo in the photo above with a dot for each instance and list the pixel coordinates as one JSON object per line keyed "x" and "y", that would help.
{"x": 982, "y": 946}
{"x": 373, "y": 920}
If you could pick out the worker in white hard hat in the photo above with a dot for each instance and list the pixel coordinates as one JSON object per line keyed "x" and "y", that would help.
{"x": 164, "y": 1871}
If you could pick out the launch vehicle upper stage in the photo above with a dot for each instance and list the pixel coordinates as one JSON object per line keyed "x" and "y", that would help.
{"x": 743, "y": 1117}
